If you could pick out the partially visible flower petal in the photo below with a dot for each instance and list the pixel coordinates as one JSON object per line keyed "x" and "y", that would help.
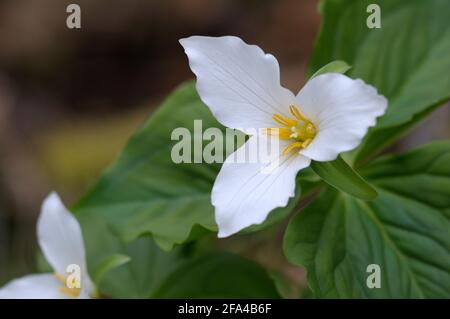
{"x": 342, "y": 110}
{"x": 60, "y": 238}
{"x": 42, "y": 286}
{"x": 245, "y": 193}
{"x": 239, "y": 82}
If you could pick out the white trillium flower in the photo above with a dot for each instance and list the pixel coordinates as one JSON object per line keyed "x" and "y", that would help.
{"x": 241, "y": 86}
{"x": 60, "y": 238}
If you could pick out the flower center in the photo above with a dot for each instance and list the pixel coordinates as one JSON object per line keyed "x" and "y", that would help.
{"x": 300, "y": 130}
{"x": 71, "y": 292}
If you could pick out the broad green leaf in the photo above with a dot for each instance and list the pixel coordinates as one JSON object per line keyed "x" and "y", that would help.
{"x": 218, "y": 276}
{"x": 340, "y": 175}
{"x": 406, "y": 59}
{"x": 145, "y": 192}
{"x": 132, "y": 279}
{"x": 108, "y": 264}
{"x": 422, "y": 174}
{"x": 386, "y": 136}
{"x": 143, "y": 270}
{"x": 405, "y": 231}
{"x": 333, "y": 67}
{"x": 143, "y": 274}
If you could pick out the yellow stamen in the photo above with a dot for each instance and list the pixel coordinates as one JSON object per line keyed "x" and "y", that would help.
{"x": 71, "y": 292}
{"x": 297, "y": 114}
{"x": 292, "y": 146}
{"x": 281, "y": 132}
{"x": 60, "y": 278}
{"x": 310, "y": 129}
{"x": 283, "y": 120}
{"x": 301, "y": 130}
{"x": 307, "y": 142}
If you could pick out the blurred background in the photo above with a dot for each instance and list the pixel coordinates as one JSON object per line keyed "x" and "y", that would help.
{"x": 70, "y": 98}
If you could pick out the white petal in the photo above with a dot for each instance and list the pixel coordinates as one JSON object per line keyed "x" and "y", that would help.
{"x": 42, "y": 286}
{"x": 60, "y": 237}
{"x": 244, "y": 193}
{"x": 239, "y": 82}
{"x": 342, "y": 110}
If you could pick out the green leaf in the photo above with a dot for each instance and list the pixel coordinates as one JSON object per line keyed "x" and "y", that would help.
{"x": 146, "y": 271}
{"x": 137, "y": 278}
{"x": 218, "y": 276}
{"x": 422, "y": 174}
{"x": 333, "y": 67}
{"x": 386, "y": 136}
{"x": 340, "y": 175}
{"x": 108, "y": 264}
{"x": 149, "y": 272}
{"x": 406, "y": 59}
{"x": 145, "y": 192}
{"x": 404, "y": 230}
